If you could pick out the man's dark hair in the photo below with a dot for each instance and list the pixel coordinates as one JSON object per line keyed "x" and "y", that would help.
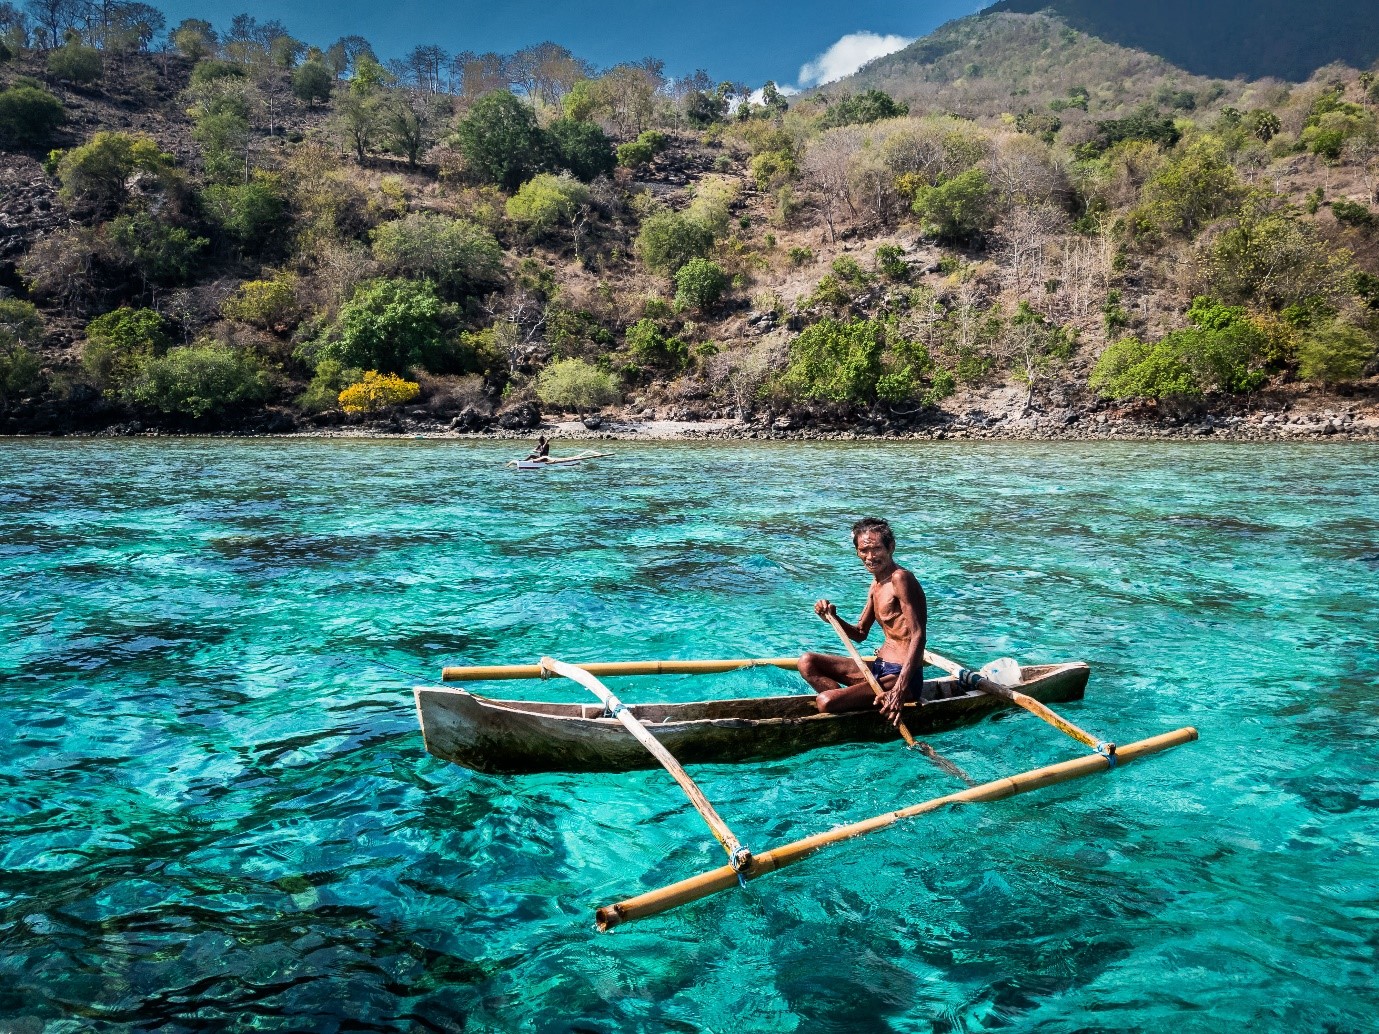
{"x": 874, "y": 524}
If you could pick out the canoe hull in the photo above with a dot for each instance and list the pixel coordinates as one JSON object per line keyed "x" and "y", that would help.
{"x": 510, "y": 737}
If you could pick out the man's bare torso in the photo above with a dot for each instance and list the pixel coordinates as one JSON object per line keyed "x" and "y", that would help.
{"x": 887, "y": 610}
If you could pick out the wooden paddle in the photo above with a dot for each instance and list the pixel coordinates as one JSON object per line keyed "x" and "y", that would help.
{"x": 867, "y": 673}
{"x": 924, "y": 748}
{"x": 740, "y": 857}
{"x": 977, "y": 680}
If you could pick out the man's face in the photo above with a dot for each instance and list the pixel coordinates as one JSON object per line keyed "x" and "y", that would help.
{"x": 872, "y": 551}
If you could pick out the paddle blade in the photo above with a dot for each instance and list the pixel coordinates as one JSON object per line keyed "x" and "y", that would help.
{"x": 1004, "y": 671}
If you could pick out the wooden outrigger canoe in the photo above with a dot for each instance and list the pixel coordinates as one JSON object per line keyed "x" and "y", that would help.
{"x": 518, "y": 736}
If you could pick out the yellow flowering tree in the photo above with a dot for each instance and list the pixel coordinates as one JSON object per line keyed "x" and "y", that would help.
{"x": 378, "y": 391}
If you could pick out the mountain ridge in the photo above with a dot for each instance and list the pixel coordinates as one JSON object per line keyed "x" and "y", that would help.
{"x": 1226, "y": 39}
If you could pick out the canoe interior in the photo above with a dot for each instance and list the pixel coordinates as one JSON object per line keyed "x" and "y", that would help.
{"x": 518, "y": 736}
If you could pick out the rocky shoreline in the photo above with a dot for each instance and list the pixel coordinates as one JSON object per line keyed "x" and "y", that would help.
{"x": 1324, "y": 426}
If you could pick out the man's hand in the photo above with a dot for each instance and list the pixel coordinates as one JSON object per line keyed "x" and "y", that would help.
{"x": 824, "y": 609}
{"x": 892, "y": 703}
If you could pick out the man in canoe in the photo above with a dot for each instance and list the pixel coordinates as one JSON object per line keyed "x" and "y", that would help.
{"x": 542, "y": 450}
{"x": 896, "y": 600}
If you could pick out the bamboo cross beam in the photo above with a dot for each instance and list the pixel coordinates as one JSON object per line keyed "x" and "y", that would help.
{"x": 696, "y": 887}
{"x": 614, "y": 669}
{"x": 739, "y": 857}
{"x": 978, "y": 681}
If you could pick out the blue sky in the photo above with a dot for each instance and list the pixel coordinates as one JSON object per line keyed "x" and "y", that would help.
{"x": 747, "y": 42}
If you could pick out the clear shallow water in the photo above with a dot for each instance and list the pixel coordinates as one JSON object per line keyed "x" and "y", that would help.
{"x": 216, "y": 812}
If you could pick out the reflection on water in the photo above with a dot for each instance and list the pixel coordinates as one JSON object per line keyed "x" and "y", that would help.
{"x": 217, "y": 814}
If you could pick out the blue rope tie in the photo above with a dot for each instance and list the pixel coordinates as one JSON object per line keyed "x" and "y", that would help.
{"x": 1108, "y": 751}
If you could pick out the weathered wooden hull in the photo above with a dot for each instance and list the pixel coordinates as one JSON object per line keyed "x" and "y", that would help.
{"x": 515, "y": 736}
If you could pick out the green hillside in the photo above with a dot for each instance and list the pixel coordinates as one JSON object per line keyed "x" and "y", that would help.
{"x": 1029, "y": 227}
{"x": 999, "y": 62}
{"x": 1284, "y": 39}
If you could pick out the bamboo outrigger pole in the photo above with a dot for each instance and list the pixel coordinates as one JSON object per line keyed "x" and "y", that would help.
{"x": 613, "y": 669}
{"x": 739, "y": 857}
{"x": 703, "y": 885}
{"x": 977, "y": 680}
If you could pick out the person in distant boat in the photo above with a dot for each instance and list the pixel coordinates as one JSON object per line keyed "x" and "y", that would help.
{"x": 542, "y": 450}
{"x": 896, "y": 600}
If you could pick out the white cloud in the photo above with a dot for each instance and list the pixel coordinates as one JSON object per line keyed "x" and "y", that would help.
{"x": 759, "y": 95}
{"x": 847, "y": 55}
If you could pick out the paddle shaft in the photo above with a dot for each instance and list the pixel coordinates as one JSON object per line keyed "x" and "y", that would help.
{"x": 736, "y": 852}
{"x": 613, "y": 669}
{"x": 866, "y": 672}
{"x": 703, "y": 885}
{"x": 1031, "y": 705}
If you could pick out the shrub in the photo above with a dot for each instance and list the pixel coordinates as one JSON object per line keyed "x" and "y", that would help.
{"x": 28, "y": 115}
{"x": 460, "y": 257}
{"x": 269, "y": 303}
{"x": 1334, "y": 352}
{"x": 161, "y": 254}
{"x": 119, "y": 341}
{"x": 847, "y": 269}
{"x": 198, "y": 380}
{"x": 829, "y": 292}
{"x": 1189, "y": 191}
{"x": 800, "y": 256}
{"x": 870, "y": 106}
{"x": 390, "y": 326}
{"x": 1145, "y": 124}
{"x": 210, "y": 70}
{"x": 1222, "y": 350}
{"x": 890, "y": 263}
{"x": 20, "y": 370}
{"x": 323, "y": 392}
{"x": 773, "y": 169}
{"x": 573, "y": 384}
{"x": 98, "y": 172}
{"x": 649, "y": 343}
{"x": 582, "y": 148}
{"x": 1352, "y": 213}
{"x": 545, "y": 201}
{"x": 699, "y": 283}
{"x": 376, "y": 392}
{"x": 634, "y": 154}
{"x": 833, "y": 361}
{"x": 75, "y": 63}
{"x": 959, "y": 210}
{"x": 250, "y": 214}
{"x": 667, "y": 240}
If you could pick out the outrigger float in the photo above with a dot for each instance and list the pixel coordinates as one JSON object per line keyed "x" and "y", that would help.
{"x": 514, "y": 736}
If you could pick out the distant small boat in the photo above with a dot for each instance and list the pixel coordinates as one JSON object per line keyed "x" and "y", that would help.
{"x": 554, "y": 461}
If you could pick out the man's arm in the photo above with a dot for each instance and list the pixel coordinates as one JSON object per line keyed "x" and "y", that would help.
{"x": 858, "y": 632}
{"x": 915, "y": 609}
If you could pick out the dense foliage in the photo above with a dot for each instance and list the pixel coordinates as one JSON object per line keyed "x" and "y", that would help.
{"x": 312, "y": 218}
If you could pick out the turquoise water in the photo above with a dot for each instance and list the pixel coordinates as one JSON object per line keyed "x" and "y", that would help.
{"x": 217, "y": 813}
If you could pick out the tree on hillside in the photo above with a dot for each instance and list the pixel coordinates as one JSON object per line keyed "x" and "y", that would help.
{"x": 501, "y": 141}
{"x": 409, "y": 121}
{"x": 478, "y": 74}
{"x": 194, "y": 38}
{"x": 53, "y": 19}
{"x": 343, "y": 55}
{"x": 312, "y": 82}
